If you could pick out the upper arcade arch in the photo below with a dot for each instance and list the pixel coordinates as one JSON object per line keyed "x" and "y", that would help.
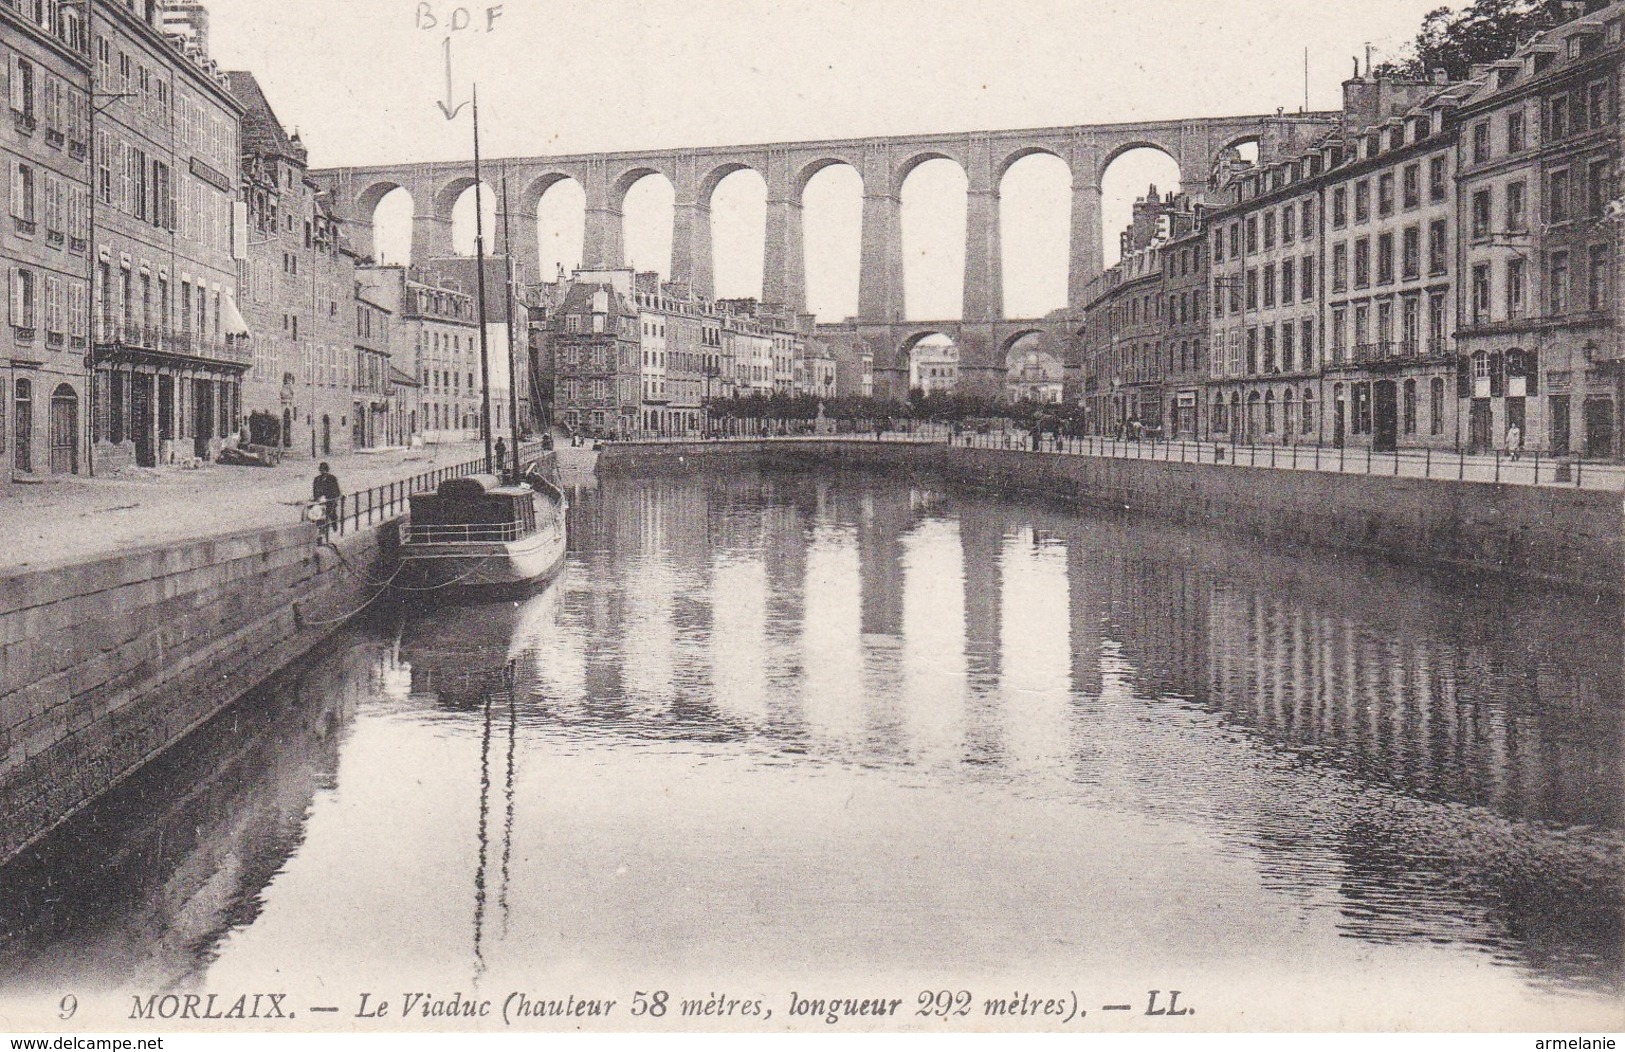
{"x": 1009, "y": 160}
{"x": 807, "y": 170}
{"x": 910, "y": 164}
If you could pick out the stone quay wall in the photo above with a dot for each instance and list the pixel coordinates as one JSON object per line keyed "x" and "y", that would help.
{"x": 1557, "y": 535}
{"x": 105, "y": 664}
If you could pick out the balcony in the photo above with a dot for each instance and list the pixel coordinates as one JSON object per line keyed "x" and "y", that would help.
{"x": 78, "y": 150}
{"x": 1387, "y": 352}
{"x": 162, "y": 340}
{"x": 25, "y": 122}
{"x": 26, "y": 227}
{"x": 54, "y": 138}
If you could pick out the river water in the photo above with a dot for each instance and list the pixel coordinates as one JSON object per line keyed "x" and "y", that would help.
{"x": 871, "y": 736}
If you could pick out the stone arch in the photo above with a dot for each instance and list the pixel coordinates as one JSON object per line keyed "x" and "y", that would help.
{"x": 363, "y": 218}
{"x": 622, "y": 184}
{"x": 446, "y": 197}
{"x": 647, "y": 240}
{"x": 903, "y": 350}
{"x": 904, "y": 169}
{"x": 732, "y": 217}
{"x": 536, "y": 187}
{"x": 1251, "y": 138}
{"x": 1129, "y": 146}
{"x": 805, "y": 173}
{"x": 1021, "y": 153}
{"x": 552, "y": 233}
{"x": 1008, "y": 344}
{"x": 714, "y": 176}
{"x": 372, "y": 195}
{"x": 1034, "y": 204}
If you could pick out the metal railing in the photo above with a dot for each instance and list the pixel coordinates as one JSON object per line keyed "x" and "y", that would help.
{"x": 458, "y": 534}
{"x": 111, "y": 331}
{"x": 369, "y": 507}
{"x": 1525, "y": 468}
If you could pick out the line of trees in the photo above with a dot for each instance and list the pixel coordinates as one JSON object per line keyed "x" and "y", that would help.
{"x": 946, "y": 407}
{"x": 1483, "y": 31}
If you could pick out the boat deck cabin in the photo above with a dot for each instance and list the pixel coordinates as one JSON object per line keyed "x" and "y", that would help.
{"x": 471, "y": 509}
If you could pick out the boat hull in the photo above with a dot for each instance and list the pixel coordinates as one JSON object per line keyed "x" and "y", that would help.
{"x": 446, "y": 570}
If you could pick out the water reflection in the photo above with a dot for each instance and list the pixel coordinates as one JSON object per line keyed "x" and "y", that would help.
{"x": 1423, "y": 761}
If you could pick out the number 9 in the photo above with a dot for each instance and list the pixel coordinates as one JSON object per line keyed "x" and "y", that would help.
{"x": 67, "y": 1006}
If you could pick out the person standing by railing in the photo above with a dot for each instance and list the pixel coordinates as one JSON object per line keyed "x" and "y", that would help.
{"x": 325, "y": 489}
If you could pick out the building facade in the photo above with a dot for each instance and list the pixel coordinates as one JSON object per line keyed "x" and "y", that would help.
{"x": 1185, "y": 323}
{"x": 1539, "y": 160}
{"x": 45, "y": 387}
{"x": 592, "y": 339}
{"x": 296, "y": 293}
{"x": 169, "y": 350}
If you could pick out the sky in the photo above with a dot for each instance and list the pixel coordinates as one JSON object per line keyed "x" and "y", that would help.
{"x": 360, "y": 80}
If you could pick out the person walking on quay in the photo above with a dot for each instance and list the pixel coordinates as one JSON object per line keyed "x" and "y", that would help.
{"x": 500, "y": 455}
{"x": 1514, "y": 440}
{"x": 325, "y": 488}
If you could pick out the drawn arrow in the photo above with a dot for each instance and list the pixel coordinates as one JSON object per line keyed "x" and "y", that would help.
{"x": 446, "y": 107}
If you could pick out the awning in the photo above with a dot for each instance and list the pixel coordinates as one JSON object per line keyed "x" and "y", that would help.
{"x": 232, "y": 317}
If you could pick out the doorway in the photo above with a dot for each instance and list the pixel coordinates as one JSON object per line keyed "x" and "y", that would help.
{"x": 1560, "y": 423}
{"x": 141, "y": 420}
{"x": 202, "y": 416}
{"x": 23, "y": 426}
{"x": 1385, "y": 416}
{"x": 1599, "y": 425}
{"x": 64, "y": 431}
{"x": 1480, "y": 433}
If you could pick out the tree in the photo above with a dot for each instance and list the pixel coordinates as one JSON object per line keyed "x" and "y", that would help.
{"x": 1483, "y": 31}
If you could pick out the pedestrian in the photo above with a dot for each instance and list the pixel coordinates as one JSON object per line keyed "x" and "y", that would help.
{"x": 325, "y": 488}
{"x": 501, "y": 450}
{"x": 1514, "y": 440}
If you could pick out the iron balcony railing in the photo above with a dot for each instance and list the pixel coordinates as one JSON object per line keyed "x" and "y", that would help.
{"x": 112, "y": 332}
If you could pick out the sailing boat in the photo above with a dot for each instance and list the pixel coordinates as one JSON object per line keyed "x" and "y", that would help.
{"x": 499, "y": 529}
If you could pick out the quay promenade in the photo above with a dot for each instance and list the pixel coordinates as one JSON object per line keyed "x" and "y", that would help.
{"x": 1529, "y": 469}
{"x": 77, "y": 519}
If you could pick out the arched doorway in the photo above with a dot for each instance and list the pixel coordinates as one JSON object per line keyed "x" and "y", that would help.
{"x": 64, "y": 430}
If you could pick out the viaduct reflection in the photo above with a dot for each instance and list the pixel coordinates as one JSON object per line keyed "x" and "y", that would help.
{"x": 1443, "y": 759}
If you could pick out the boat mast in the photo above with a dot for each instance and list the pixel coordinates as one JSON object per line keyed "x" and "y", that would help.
{"x": 513, "y": 374}
{"x": 479, "y": 266}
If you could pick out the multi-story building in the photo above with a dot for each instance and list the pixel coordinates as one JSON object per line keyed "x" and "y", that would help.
{"x": 749, "y": 345}
{"x": 816, "y": 370}
{"x": 1034, "y": 376}
{"x": 377, "y": 417}
{"x": 438, "y": 329}
{"x": 44, "y": 149}
{"x": 461, "y": 274}
{"x": 1124, "y": 371}
{"x": 934, "y": 368}
{"x": 1538, "y": 167}
{"x": 296, "y": 293}
{"x": 1333, "y": 281}
{"x": 1264, "y": 253}
{"x": 1390, "y": 226}
{"x": 673, "y": 327}
{"x": 592, "y": 339}
{"x": 169, "y": 351}
{"x": 1185, "y": 326}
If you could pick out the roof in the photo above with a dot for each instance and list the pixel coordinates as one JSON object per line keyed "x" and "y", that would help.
{"x": 578, "y": 299}
{"x": 262, "y": 133}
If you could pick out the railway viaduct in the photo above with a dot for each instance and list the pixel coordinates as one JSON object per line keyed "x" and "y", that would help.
{"x": 982, "y": 333}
